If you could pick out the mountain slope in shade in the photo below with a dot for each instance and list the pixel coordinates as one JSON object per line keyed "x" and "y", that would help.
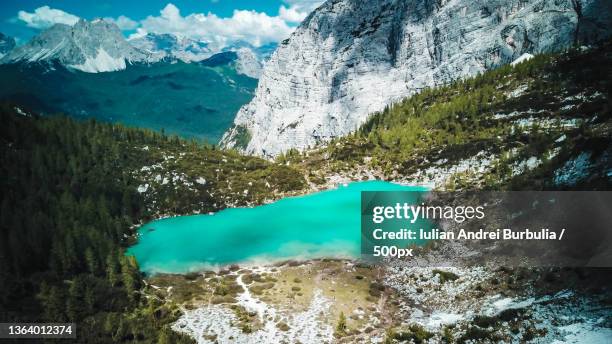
{"x": 89, "y": 46}
{"x": 191, "y": 100}
{"x": 6, "y": 44}
{"x": 350, "y": 58}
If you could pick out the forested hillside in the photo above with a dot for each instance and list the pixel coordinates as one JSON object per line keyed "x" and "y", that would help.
{"x": 545, "y": 123}
{"x": 190, "y": 100}
{"x": 71, "y": 197}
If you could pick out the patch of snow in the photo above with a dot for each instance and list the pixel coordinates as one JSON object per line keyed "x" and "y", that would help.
{"x": 526, "y": 165}
{"x": 519, "y": 91}
{"x": 103, "y": 62}
{"x": 22, "y": 113}
{"x": 585, "y": 333}
{"x": 304, "y": 327}
{"x": 252, "y": 304}
{"x": 143, "y": 188}
{"x": 522, "y": 58}
{"x": 554, "y": 152}
{"x": 435, "y": 176}
{"x": 502, "y": 304}
{"x": 546, "y": 123}
{"x": 567, "y": 107}
{"x": 439, "y": 319}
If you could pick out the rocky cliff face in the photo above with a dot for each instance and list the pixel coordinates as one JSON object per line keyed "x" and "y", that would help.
{"x": 350, "y": 58}
{"x": 96, "y": 46}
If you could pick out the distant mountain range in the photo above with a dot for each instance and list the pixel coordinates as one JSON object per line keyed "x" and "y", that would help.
{"x": 99, "y": 46}
{"x": 155, "y": 81}
{"x": 163, "y": 47}
{"x": 189, "y": 99}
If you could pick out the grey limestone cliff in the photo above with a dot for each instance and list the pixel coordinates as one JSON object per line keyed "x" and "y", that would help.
{"x": 350, "y": 58}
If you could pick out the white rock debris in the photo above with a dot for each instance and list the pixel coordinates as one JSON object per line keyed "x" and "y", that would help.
{"x": 22, "y": 113}
{"x": 437, "y": 176}
{"x": 522, "y": 58}
{"x": 215, "y": 321}
{"x": 143, "y": 188}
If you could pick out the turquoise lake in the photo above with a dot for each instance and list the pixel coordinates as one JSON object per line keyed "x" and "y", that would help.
{"x": 318, "y": 225}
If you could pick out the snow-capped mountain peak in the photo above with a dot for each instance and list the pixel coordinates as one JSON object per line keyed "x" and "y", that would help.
{"x": 90, "y": 46}
{"x": 248, "y": 59}
{"x": 167, "y": 45}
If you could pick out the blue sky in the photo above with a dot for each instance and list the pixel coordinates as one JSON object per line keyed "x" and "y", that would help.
{"x": 256, "y": 21}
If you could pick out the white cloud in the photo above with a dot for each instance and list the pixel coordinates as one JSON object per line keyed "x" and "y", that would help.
{"x": 123, "y": 22}
{"x": 250, "y": 26}
{"x": 45, "y": 16}
{"x": 291, "y": 14}
{"x": 253, "y": 27}
{"x": 297, "y": 10}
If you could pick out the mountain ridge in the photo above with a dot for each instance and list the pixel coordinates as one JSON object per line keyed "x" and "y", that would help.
{"x": 98, "y": 46}
{"x": 180, "y": 98}
{"x": 349, "y": 59}
{"x": 89, "y": 46}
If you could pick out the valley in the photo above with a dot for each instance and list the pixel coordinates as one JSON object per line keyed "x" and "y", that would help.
{"x": 426, "y": 139}
{"x": 163, "y": 176}
{"x": 154, "y": 191}
{"x": 191, "y": 100}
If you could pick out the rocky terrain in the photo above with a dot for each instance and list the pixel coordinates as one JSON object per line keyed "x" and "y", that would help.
{"x": 543, "y": 124}
{"x": 546, "y": 126}
{"x": 351, "y": 58}
{"x": 337, "y": 301}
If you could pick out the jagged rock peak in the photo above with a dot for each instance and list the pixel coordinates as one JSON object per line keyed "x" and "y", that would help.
{"x": 350, "y": 58}
{"x": 166, "y": 45}
{"x": 90, "y": 46}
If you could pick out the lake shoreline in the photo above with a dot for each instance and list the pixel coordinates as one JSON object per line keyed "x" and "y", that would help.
{"x": 316, "y": 225}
